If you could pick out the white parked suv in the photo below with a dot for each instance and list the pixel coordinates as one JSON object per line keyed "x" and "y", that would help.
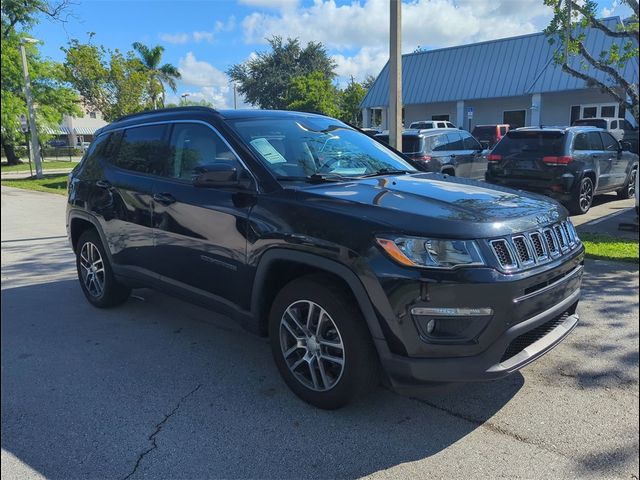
{"x": 428, "y": 124}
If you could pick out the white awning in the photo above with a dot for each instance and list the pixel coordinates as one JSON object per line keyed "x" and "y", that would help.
{"x": 59, "y": 130}
{"x": 85, "y": 130}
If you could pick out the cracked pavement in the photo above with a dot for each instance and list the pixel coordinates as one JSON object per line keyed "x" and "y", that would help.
{"x": 159, "y": 388}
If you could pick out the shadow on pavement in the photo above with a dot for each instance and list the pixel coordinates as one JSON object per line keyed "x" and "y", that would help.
{"x": 164, "y": 388}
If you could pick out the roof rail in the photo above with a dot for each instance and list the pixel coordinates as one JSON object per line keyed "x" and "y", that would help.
{"x": 189, "y": 108}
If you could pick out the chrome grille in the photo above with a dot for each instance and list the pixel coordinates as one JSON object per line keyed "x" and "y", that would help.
{"x": 503, "y": 254}
{"x": 536, "y": 247}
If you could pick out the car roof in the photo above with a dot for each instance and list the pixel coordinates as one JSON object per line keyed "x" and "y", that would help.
{"x": 429, "y": 131}
{"x": 563, "y": 129}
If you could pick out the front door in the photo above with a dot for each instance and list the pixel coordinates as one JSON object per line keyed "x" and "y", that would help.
{"x": 619, "y": 164}
{"x": 200, "y": 233}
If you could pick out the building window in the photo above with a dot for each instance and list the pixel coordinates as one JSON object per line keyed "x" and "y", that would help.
{"x": 515, "y": 118}
{"x": 575, "y": 113}
{"x": 440, "y": 117}
{"x": 608, "y": 111}
{"x": 598, "y": 110}
{"x": 92, "y": 114}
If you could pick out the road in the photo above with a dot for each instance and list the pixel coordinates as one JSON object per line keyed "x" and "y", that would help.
{"x": 158, "y": 388}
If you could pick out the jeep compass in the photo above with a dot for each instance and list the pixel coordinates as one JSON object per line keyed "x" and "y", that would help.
{"x": 359, "y": 268}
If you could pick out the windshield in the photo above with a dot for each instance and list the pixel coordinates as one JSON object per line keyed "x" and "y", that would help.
{"x": 592, "y": 123}
{"x": 300, "y": 147}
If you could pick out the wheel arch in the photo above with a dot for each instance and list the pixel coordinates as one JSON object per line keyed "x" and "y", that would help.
{"x": 278, "y": 267}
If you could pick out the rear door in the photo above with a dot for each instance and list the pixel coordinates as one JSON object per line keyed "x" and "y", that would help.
{"x": 478, "y": 161}
{"x": 461, "y": 158}
{"x": 140, "y": 155}
{"x": 619, "y": 165}
{"x": 604, "y": 158}
{"x": 200, "y": 232}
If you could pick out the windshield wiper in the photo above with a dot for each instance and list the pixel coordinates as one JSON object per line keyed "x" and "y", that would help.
{"x": 387, "y": 171}
{"x": 326, "y": 177}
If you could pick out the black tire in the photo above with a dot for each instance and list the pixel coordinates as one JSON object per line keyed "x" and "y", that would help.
{"x": 582, "y": 198}
{"x": 112, "y": 292}
{"x": 629, "y": 189}
{"x": 359, "y": 372}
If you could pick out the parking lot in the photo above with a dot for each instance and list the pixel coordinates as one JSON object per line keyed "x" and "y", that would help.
{"x": 161, "y": 388}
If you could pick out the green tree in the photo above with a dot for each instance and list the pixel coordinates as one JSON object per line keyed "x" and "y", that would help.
{"x": 368, "y": 82}
{"x": 264, "y": 80}
{"x": 52, "y": 97}
{"x": 159, "y": 75}
{"x": 313, "y": 93}
{"x": 567, "y": 28}
{"x": 350, "y": 100}
{"x": 112, "y": 82}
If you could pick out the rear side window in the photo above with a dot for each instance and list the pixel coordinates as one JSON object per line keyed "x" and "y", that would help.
{"x": 455, "y": 141}
{"x": 608, "y": 142}
{"x": 144, "y": 150}
{"x": 595, "y": 142}
{"x": 531, "y": 143}
{"x": 580, "y": 142}
{"x": 194, "y": 149}
{"x": 470, "y": 143}
{"x": 440, "y": 143}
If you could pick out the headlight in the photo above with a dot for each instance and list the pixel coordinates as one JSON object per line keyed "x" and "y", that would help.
{"x": 432, "y": 252}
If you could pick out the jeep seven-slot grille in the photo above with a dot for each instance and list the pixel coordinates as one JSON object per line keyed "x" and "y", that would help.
{"x": 535, "y": 247}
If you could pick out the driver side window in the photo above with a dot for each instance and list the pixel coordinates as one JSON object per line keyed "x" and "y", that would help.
{"x": 195, "y": 148}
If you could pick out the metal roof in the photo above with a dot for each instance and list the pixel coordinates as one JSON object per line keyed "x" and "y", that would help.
{"x": 506, "y": 67}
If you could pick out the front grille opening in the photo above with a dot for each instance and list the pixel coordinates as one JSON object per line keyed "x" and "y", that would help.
{"x": 562, "y": 240}
{"x": 503, "y": 253}
{"x": 567, "y": 232}
{"x": 551, "y": 242}
{"x": 541, "y": 285}
{"x": 536, "y": 241}
{"x": 518, "y": 344}
{"x": 521, "y": 248}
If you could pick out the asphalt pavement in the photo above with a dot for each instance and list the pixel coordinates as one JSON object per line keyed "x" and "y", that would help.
{"x": 158, "y": 388}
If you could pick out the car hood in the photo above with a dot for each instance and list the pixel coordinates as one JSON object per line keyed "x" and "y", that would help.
{"x": 437, "y": 204}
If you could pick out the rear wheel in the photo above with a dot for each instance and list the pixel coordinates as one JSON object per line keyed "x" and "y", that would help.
{"x": 583, "y": 198}
{"x": 320, "y": 343}
{"x": 95, "y": 273}
{"x": 629, "y": 189}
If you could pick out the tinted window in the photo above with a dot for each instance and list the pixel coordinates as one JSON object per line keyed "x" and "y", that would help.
{"x": 440, "y": 143}
{"x": 580, "y": 142}
{"x": 470, "y": 143}
{"x": 450, "y": 125}
{"x": 194, "y": 147}
{"x": 487, "y": 132}
{"x": 98, "y": 148}
{"x": 595, "y": 142}
{"x": 455, "y": 141}
{"x": 614, "y": 125}
{"x": 531, "y": 142}
{"x": 144, "y": 150}
{"x": 515, "y": 118}
{"x": 609, "y": 142}
{"x": 592, "y": 123}
{"x": 410, "y": 143}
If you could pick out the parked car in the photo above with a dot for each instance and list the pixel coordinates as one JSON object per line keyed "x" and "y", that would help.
{"x": 56, "y": 143}
{"x": 371, "y": 131}
{"x": 355, "y": 265}
{"x": 620, "y": 128}
{"x": 428, "y": 124}
{"x": 451, "y": 151}
{"x": 570, "y": 164}
{"x": 489, "y": 135}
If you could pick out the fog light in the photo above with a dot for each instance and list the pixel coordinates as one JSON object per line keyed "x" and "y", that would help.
{"x": 431, "y": 326}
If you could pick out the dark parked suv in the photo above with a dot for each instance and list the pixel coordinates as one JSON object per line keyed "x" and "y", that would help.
{"x": 358, "y": 267}
{"x": 444, "y": 150}
{"x": 570, "y": 164}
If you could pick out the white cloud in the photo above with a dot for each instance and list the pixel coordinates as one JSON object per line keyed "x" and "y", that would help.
{"x": 175, "y": 38}
{"x": 271, "y": 4}
{"x": 361, "y": 26}
{"x": 227, "y": 26}
{"x": 202, "y": 36}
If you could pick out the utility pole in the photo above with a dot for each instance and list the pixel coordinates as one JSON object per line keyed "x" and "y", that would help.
{"x": 34, "y": 150}
{"x": 395, "y": 76}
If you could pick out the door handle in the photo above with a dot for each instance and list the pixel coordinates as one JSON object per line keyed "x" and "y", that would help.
{"x": 164, "y": 198}
{"x": 103, "y": 184}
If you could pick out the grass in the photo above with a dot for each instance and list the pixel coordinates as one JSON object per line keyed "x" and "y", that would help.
{"x": 606, "y": 247}
{"x": 46, "y": 165}
{"x": 56, "y": 183}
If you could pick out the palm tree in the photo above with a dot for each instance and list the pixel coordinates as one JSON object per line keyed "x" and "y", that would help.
{"x": 163, "y": 75}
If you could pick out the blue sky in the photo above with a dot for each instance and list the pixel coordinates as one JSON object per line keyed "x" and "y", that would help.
{"x": 203, "y": 38}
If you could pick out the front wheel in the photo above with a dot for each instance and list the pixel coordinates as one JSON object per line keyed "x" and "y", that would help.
{"x": 95, "y": 274}
{"x": 583, "y": 198}
{"x": 320, "y": 343}
{"x": 629, "y": 189}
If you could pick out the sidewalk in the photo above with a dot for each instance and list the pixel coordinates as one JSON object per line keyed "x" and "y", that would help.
{"x": 621, "y": 224}
{"x": 27, "y": 174}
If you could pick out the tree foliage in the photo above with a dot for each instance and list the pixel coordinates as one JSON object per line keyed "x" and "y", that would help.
{"x": 350, "y": 99}
{"x": 159, "y": 75}
{"x": 265, "y": 79}
{"x": 567, "y": 28}
{"x": 112, "y": 82}
{"x": 51, "y": 95}
{"x": 313, "y": 93}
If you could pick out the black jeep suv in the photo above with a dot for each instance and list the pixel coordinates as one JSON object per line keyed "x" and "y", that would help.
{"x": 570, "y": 164}
{"x": 358, "y": 267}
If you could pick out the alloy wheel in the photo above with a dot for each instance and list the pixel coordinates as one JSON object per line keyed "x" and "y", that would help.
{"x": 632, "y": 182}
{"x": 92, "y": 269}
{"x": 312, "y": 345}
{"x": 586, "y": 195}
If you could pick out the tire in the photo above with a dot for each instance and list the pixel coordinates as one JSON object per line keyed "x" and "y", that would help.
{"x": 583, "y": 197}
{"x": 335, "y": 320}
{"x": 95, "y": 273}
{"x": 629, "y": 189}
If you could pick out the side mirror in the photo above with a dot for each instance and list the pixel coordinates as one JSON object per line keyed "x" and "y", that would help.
{"x": 216, "y": 176}
{"x": 625, "y": 146}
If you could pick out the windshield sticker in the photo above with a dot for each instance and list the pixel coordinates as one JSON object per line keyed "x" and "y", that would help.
{"x": 267, "y": 150}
